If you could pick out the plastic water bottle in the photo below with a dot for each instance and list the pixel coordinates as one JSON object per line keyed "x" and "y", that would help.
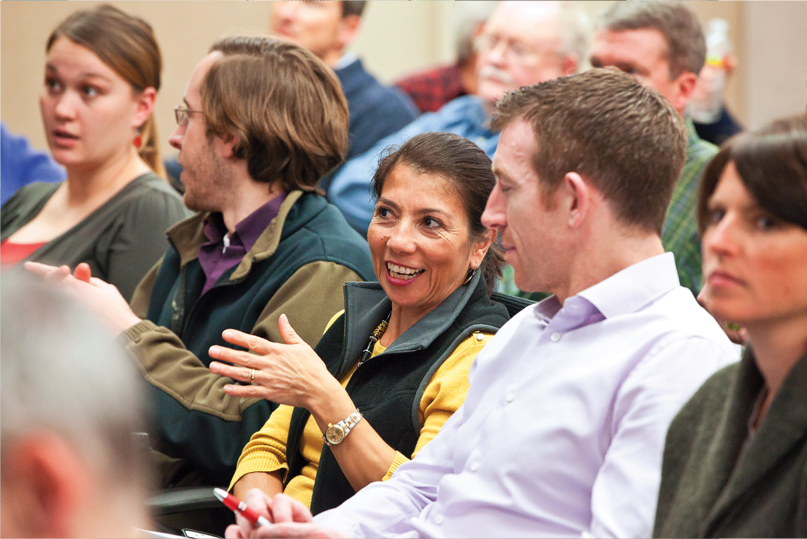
{"x": 707, "y": 99}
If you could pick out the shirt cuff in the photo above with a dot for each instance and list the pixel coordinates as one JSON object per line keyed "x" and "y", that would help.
{"x": 399, "y": 459}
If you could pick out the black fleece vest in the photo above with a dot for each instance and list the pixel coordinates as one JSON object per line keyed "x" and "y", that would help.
{"x": 388, "y": 387}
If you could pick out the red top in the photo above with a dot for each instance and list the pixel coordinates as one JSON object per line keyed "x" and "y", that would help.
{"x": 14, "y": 253}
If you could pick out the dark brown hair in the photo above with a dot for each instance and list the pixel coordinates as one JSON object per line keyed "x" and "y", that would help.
{"x": 624, "y": 138}
{"x": 353, "y": 7}
{"x": 283, "y": 104}
{"x": 466, "y": 168}
{"x": 682, "y": 31}
{"x": 127, "y": 45}
{"x": 772, "y": 164}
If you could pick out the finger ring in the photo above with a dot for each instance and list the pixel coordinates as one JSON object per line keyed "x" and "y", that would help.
{"x": 252, "y": 377}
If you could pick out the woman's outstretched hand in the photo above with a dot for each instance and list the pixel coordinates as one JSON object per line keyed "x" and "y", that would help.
{"x": 290, "y": 373}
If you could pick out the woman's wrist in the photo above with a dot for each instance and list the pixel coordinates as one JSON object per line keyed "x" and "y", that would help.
{"x": 331, "y": 404}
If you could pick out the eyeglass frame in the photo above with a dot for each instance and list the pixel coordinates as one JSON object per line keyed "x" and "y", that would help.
{"x": 185, "y": 116}
{"x": 485, "y": 42}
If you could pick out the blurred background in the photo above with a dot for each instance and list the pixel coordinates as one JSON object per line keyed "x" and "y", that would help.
{"x": 768, "y": 37}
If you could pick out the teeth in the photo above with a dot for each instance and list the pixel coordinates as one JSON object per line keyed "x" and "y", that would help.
{"x": 400, "y": 272}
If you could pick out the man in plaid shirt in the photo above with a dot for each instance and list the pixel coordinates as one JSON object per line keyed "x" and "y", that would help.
{"x": 662, "y": 45}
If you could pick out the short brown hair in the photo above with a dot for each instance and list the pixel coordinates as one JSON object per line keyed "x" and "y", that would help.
{"x": 686, "y": 45}
{"x": 283, "y": 104}
{"x": 466, "y": 168}
{"x": 772, "y": 164}
{"x": 353, "y": 7}
{"x": 126, "y": 44}
{"x": 626, "y": 139}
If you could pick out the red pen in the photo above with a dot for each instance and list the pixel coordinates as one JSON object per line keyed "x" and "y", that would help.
{"x": 240, "y": 508}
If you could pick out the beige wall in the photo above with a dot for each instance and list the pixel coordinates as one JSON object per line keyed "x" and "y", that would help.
{"x": 397, "y": 37}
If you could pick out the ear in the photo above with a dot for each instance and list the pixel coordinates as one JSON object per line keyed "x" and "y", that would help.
{"x": 348, "y": 30}
{"x": 480, "y": 248}
{"x": 48, "y": 481}
{"x": 577, "y": 198}
{"x": 145, "y": 106}
{"x": 227, "y": 145}
{"x": 684, "y": 87}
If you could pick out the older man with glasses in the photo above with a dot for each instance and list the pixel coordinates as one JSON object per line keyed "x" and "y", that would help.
{"x": 522, "y": 43}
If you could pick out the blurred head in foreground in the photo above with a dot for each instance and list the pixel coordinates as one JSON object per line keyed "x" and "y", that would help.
{"x": 71, "y": 403}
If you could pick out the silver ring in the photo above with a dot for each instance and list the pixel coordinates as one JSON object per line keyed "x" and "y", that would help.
{"x": 252, "y": 377}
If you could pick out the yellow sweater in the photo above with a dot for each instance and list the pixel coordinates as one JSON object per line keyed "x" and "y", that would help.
{"x": 445, "y": 393}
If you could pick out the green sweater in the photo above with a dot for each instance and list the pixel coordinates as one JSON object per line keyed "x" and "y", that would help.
{"x": 717, "y": 479}
{"x": 298, "y": 267}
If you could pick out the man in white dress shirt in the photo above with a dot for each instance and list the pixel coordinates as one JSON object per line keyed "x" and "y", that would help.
{"x": 563, "y": 427}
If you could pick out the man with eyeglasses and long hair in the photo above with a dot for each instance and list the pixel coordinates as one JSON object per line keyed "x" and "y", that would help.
{"x": 261, "y": 121}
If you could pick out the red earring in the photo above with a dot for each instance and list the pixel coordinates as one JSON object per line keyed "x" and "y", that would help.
{"x": 138, "y": 140}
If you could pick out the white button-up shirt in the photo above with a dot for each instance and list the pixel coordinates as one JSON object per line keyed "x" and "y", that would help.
{"x": 563, "y": 428}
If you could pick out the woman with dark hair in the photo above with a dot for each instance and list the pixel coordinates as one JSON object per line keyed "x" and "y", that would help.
{"x": 393, "y": 367}
{"x": 102, "y": 74}
{"x": 735, "y": 463}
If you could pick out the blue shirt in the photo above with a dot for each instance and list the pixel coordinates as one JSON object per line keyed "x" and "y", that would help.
{"x": 21, "y": 164}
{"x": 351, "y": 187}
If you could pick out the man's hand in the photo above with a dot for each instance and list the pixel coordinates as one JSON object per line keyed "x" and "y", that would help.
{"x": 290, "y": 518}
{"x": 101, "y": 297}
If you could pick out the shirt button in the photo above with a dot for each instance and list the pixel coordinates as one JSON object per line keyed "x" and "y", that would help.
{"x": 479, "y": 336}
{"x": 438, "y": 519}
{"x": 555, "y": 336}
{"x": 509, "y": 397}
{"x": 474, "y": 466}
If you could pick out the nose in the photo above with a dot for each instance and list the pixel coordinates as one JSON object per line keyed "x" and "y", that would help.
{"x": 721, "y": 238}
{"x": 65, "y": 106}
{"x": 176, "y": 137}
{"x": 494, "y": 216}
{"x": 402, "y": 239}
{"x": 497, "y": 55}
{"x": 284, "y": 11}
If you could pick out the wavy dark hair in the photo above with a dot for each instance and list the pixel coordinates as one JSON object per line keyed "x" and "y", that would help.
{"x": 466, "y": 168}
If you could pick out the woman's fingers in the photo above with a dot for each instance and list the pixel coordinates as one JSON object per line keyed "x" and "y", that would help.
{"x": 237, "y": 357}
{"x": 248, "y": 341}
{"x": 240, "y": 374}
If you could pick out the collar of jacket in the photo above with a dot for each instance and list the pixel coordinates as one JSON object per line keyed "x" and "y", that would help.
{"x": 188, "y": 236}
{"x": 366, "y": 304}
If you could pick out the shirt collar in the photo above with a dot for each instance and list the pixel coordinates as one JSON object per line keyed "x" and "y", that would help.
{"x": 345, "y": 61}
{"x": 634, "y": 287}
{"x": 249, "y": 229}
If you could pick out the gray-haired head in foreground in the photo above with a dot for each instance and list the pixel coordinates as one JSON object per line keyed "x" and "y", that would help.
{"x": 624, "y": 138}
{"x": 63, "y": 373}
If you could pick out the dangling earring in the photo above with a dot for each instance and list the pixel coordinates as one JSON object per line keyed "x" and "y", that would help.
{"x": 138, "y": 140}
{"x": 471, "y": 273}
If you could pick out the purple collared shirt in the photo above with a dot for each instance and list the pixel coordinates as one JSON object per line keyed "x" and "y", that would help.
{"x": 222, "y": 252}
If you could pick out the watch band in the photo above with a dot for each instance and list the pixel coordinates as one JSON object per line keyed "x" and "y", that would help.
{"x": 332, "y": 437}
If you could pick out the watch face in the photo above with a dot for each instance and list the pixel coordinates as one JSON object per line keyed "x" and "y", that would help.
{"x": 335, "y": 434}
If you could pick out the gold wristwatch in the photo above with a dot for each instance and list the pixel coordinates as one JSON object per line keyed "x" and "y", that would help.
{"x": 335, "y": 434}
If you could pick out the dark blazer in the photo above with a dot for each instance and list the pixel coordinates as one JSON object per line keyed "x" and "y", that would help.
{"x": 716, "y": 481}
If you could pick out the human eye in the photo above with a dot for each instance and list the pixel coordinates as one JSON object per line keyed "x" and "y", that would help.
{"x": 766, "y": 222}
{"x": 383, "y": 212}
{"x": 431, "y": 222}
{"x": 714, "y": 216}
{"x": 89, "y": 91}
{"x": 53, "y": 85}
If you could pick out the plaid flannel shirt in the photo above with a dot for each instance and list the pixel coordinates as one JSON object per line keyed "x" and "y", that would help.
{"x": 680, "y": 232}
{"x": 433, "y": 88}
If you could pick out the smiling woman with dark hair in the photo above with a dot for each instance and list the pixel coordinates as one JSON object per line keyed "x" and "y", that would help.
{"x": 394, "y": 366}
{"x": 735, "y": 463}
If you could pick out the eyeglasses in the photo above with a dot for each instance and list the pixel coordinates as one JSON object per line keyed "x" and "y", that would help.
{"x": 514, "y": 50}
{"x": 182, "y": 114}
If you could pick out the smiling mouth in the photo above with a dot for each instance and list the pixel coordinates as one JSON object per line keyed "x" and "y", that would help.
{"x": 403, "y": 273}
